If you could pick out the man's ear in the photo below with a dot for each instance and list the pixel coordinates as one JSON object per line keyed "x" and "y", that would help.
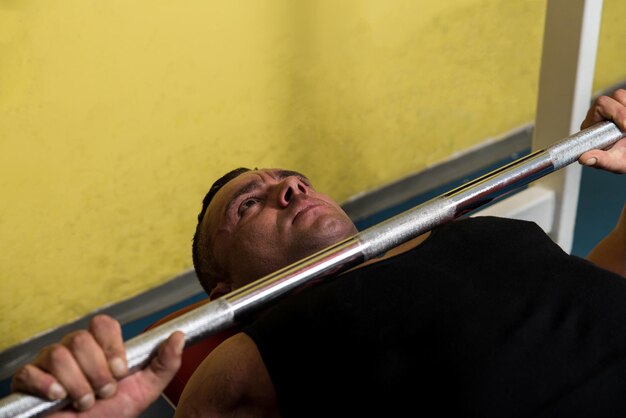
{"x": 220, "y": 289}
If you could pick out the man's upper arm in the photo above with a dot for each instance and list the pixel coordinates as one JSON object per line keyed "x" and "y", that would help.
{"x": 231, "y": 381}
{"x": 610, "y": 253}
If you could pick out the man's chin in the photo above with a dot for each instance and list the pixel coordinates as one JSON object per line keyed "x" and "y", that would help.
{"x": 324, "y": 232}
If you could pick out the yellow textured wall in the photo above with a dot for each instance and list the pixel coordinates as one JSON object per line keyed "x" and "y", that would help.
{"x": 115, "y": 117}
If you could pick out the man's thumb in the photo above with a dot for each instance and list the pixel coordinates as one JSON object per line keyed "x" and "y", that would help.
{"x": 166, "y": 363}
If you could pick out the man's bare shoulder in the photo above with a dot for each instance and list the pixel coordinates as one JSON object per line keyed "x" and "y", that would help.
{"x": 231, "y": 381}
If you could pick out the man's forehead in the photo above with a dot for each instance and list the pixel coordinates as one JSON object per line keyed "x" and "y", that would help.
{"x": 230, "y": 190}
{"x": 257, "y": 175}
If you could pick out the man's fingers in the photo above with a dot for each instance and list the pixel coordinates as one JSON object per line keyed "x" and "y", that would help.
{"x": 92, "y": 361}
{"x": 608, "y": 107}
{"x": 620, "y": 96}
{"x": 30, "y": 379}
{"x": 108, "y": 333}
{"x": 59, "y": 361}
{"x": 619, "y": 114}
{"x": 602, "y": 109}
{"x": 81, "y": 367}
{"x": 612, "y": 108}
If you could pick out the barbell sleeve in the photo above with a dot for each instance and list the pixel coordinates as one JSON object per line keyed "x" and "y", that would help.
{"x": 230, "y": 309}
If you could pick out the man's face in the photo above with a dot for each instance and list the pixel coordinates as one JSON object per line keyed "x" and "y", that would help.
{"x": 264, "y": 220}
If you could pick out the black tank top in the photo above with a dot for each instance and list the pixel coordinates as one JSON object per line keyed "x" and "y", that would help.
{"x": 487, "y": 318}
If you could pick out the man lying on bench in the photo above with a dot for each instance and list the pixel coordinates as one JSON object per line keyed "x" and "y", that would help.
{"x": 481, "y": 317}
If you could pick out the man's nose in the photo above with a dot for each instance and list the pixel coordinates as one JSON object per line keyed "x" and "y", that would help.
{"x": 290, "y": 187}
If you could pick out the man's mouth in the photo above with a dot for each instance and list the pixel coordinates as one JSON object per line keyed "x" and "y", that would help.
{"x": 306, "y": 207}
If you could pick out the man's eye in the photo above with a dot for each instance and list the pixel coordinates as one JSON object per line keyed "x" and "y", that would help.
{"x": 247, "y": 204}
